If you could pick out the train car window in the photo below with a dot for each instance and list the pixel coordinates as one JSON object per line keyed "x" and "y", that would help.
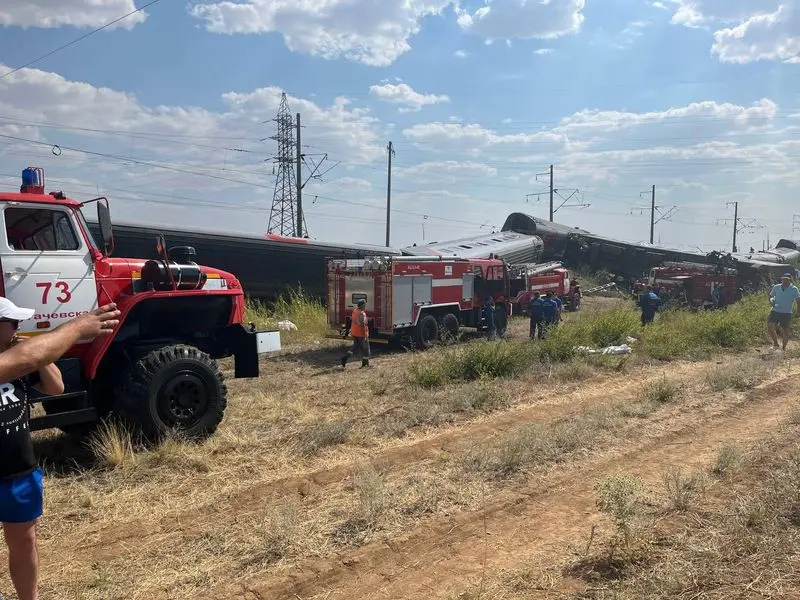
{"x": 39, "y": 229}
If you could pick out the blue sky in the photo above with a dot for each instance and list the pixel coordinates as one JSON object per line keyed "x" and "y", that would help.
{"x": 699, "y": 97}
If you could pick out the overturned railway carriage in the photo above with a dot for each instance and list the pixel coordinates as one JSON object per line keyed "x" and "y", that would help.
{"x": 267, "y": 265}
{"x": 579, "y": 248}
{"x": 511, "y": 246}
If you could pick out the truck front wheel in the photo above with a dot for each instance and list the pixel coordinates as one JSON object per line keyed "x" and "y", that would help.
{"x": 174, "y": 388}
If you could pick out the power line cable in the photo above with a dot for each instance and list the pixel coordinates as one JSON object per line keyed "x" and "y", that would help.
{"x": 78, "y": 39}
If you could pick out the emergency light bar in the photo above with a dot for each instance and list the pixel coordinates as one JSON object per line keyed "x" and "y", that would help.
{"x": 32, "y": 181}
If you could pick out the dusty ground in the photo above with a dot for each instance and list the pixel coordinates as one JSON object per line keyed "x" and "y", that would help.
{"x": 341, "y": 485}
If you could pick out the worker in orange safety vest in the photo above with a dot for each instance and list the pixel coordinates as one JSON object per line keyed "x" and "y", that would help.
{"x": 359, "y": 330}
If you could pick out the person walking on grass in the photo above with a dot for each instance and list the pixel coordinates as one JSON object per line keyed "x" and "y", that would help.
{"x": 783, "y": 298}
{"x": 359, "y": 330}
{"x": 649, "y": 303}
{"x": 27, "y": 367}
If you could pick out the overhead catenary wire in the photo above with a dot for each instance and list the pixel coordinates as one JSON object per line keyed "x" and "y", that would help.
{"x": 127, "y": 159}
{"x": 78, "y": 39}
{"x": 117, "y": 158}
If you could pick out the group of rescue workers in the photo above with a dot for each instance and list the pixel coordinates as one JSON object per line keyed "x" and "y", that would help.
{"x": 544, "y": 312}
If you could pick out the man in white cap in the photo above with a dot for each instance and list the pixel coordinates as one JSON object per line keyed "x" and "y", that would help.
{"x": 783, "y": 298}
{"x": 26, "y": 365}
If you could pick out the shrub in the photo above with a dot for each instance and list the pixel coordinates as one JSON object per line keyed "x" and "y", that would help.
{"x": 486, "y": 360}
{"x": 477, "y": 361}
{"x": 621, "y": 497}
{"x": 686, "y": 334}
{"x": 426, "y": 373}
{"x": 661, "y": 391}
{"x": 306, "y": 312}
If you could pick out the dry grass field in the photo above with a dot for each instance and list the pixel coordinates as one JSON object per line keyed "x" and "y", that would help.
{"x": 483, "y": 470}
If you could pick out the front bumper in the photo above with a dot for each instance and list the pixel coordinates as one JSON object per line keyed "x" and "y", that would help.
{"x": 248, "y": 346}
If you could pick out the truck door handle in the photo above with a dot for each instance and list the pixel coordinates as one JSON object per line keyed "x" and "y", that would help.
{"x": 16, "y": 272}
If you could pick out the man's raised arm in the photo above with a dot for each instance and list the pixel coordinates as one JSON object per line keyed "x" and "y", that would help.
{"x": 41, "y": 350}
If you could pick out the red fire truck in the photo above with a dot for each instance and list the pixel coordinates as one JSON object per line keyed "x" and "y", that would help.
{"x": 158, "y": 371}
{"x": 417, "y": 300}
{"x": 545, "y": 277}
{"x": 692, "y": 284}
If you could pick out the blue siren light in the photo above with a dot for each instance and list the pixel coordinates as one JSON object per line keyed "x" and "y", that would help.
{"x": 33, "y": 180}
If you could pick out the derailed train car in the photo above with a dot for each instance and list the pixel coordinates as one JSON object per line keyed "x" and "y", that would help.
{"x": 266, "y": 265}
{"x": 511, "y": 246}
{"x": 580, "y": 248}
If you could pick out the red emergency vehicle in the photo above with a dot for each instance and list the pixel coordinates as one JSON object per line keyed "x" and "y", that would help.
{"x": 417, "y": 299}
{"x": 528, "y": 279}
{"x": 692, "y": 284}
{"x": 158, "y": 371}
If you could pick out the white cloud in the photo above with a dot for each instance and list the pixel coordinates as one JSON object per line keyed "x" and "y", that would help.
{"x": 403, "y": 94}
{"x": 447, "y": 170}
{"x": 543, "y": 51}
{"x": 660, "y": 5}
{"x": 219, "y": 152}
{"x": 507, "y": 19}
{"x": 472, "y": 138}
{"x": 746, "y": 31}
{"x": 367, "y": 31}
{"x": 773, "y": 36}
{"x": 460, "y": 54}
{"x": 78, "y": 13}
{"x": 594, "y": 120}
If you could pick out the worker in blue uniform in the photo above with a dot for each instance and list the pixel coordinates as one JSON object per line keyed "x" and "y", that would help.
{"x": 649, "y": 303}
{"x": 549, "y": 308}
{"x": 536, "y": 314}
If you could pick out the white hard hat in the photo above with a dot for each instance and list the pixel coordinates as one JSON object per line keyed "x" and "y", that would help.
{"x": 9, "y": 310}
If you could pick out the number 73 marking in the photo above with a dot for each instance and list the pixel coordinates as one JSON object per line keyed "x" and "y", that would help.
{"x": 63, "y": 297}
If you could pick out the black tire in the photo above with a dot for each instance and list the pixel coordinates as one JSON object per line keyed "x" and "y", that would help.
{"x": 427, "y": 332}
{"x": 449, "y": 328}
{"x": 174, "y": 388}
{"x": 500, "y": 319}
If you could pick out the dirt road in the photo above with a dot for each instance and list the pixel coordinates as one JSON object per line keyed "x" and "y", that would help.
{"x": 443, "y": 556}
{"x": 209, "y": 521}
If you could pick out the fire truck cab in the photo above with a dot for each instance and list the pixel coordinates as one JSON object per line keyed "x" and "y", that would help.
{"x": 158, "y": 369}
{"x": 527, "y": 279}
{"x": 417, "y": 300}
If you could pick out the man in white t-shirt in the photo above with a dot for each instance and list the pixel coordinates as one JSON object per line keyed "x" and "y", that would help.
{"x": 783, "y": 297}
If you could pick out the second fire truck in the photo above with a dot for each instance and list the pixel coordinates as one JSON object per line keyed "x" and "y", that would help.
{"x": 418, "y": 300}
{"x": 528, "y": 279}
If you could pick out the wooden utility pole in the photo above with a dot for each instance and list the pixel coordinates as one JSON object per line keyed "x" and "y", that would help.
{"x": 299, "y": 181}
{"x": 390, "y": 148}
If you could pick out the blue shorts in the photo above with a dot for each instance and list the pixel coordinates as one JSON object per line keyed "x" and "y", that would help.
{"x": 22, "y": 499}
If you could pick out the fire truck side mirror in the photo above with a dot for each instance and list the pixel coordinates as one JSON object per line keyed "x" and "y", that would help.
{"x": 106, "y": 230}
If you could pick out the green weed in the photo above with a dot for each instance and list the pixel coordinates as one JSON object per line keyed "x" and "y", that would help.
{"x": 307, "y": 313}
